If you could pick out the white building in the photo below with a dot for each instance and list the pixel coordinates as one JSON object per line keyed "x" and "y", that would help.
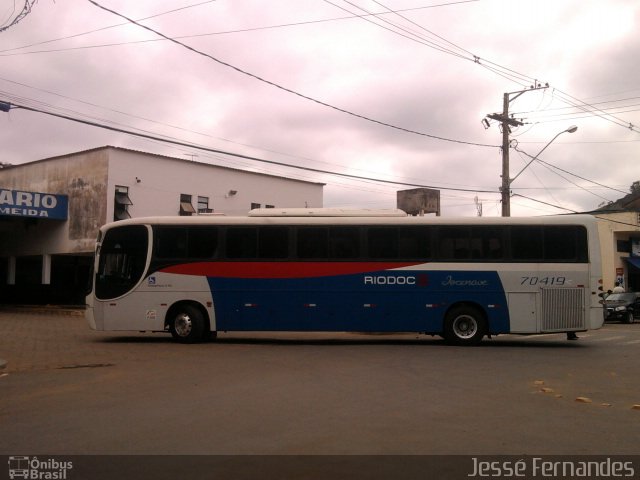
{"x": 51, "y": 209}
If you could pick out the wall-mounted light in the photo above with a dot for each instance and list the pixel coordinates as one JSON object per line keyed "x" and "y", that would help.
{"x": 232, "y": 193}
{"x": 138, "y": 180}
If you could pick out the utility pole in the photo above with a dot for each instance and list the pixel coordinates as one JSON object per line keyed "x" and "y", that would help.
{"x": 507, "y": 122}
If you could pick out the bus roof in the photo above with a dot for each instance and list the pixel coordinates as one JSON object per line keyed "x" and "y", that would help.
{"x": 325, "y": 212}
{"x": 581, "y": 219}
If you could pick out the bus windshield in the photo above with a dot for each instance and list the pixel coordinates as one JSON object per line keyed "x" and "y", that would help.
{"x": 123, "y": 256}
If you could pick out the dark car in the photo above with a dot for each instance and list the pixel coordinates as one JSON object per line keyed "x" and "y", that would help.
{"x": 622, "y": 306}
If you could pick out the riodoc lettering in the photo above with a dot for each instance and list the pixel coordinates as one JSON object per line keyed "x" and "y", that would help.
{"x": 451, "y": 282}
{"x": 389, "y": 280}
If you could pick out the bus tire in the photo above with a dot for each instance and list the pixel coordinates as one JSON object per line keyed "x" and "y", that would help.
{"x": 464, "y": 325}
{"x": 187, "y": 324}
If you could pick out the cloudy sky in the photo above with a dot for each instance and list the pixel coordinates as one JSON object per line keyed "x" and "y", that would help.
{"x": 394, "y": 90}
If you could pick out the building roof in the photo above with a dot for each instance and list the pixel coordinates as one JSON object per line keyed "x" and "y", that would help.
{"x": 175, "y": 159}
{"x": 628, "y": 203}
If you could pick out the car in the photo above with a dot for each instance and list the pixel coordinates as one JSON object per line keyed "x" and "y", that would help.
{"x": 622, "y": 306}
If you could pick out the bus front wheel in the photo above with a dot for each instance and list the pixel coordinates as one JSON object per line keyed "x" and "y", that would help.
{"x": 464, "y": 326}
{"x": 187, "y": 324}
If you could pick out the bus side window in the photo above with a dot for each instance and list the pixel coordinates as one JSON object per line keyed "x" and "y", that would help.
{"x": 561, "y": 243}
{"x": 242, "y": 242}
{"x": 382, "y": 242}
{"x": 526, "y": 243}
{"x": 414, "y": 243}
{"x": 453, "y": 243}
{"x": 171, "y": 242}
{"x": 203, "y": 242}
{"x": 344, "y": 242}
{"x": 273, "y": 242}
{"x": 312, "y": 242}
{"x": 487, "y": 243}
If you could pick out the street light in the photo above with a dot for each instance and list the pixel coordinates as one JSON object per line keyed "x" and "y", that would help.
{"x": 506, "y": 210}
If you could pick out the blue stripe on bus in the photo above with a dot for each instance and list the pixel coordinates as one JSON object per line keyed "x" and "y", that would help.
{"x": 382, "y": 301}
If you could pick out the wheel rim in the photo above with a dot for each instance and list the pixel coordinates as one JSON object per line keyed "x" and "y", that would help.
{"x": 182, "y": 325}
{"x": 465, "y": 326}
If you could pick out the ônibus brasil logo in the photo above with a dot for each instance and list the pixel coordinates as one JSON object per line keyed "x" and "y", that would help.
{"x": 38, "y": 469}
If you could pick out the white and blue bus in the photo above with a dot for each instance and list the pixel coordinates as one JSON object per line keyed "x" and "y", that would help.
{"x": 345, "y": 271}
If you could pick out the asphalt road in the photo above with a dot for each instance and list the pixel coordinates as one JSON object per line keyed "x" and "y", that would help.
{"x": 67, "y": 390}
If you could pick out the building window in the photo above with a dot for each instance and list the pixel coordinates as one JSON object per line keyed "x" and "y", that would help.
{"x": 203, "y": 205}
{"x": 269, "y": 206}
{"x": 121, "y": 203}
{"x": 623, "y": 246}
{"x": 186, "y": 209}
{"x": 255, "y": 205}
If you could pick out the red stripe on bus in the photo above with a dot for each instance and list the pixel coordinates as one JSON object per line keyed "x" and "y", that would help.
{"x": 280, "y": 269}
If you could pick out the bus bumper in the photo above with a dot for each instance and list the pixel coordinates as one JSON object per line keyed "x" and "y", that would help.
{"x": 90, "y": 318}
{"x": 90, "y": 315}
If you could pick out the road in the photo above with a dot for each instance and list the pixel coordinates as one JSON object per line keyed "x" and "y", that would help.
{"x": 67, "y": 390}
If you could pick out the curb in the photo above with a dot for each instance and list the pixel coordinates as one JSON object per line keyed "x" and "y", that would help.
{"x": 43, "y": 310}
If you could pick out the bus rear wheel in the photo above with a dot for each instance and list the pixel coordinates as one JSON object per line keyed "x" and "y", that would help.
{"x": 187, "y": 324}
{"x": 464, "y": 326}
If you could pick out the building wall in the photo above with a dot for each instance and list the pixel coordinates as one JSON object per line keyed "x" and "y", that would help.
{"x": 83, "y": 177}
{"x": 615, "y": 227}
{"x": 155, "y": 184}
{"x": 48, "y": 261}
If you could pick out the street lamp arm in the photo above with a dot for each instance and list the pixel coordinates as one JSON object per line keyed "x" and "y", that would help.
{"x": 568, "y": 130}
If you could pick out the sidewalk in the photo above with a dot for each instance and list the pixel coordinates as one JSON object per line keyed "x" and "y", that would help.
{"x": 34, "y": 310}
{"x": 45, "y": 338}
{"x": 77, "y": 310}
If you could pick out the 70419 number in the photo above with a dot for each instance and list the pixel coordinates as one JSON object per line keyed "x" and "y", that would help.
{"x": 546, "y": 281}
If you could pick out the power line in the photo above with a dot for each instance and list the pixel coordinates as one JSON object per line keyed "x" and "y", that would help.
{"x": 500, "y": 70}
{"x": 532, "y": 170}
{"x": 568, "y": 172}
{"x": 588, "y": 108}
{"x": 285, "y": 89}
{"x": 542, "y": 111}
{"x": 106, "y": 28}
{"x": 26, "y": 10}
{"x": 243, "y": 30}
{"x": 407, "y": 33}
{"x": 35, "y": 103}
{"x": 516, "y": 76}
{"x": 238, "y": 155}
{"x": 545, "y": 203}
{"x": 440, "y": 43}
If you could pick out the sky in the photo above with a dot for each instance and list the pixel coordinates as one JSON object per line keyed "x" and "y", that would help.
{"x": 391, "y": 94}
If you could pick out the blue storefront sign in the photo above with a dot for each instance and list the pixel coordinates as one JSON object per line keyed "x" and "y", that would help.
{"x": 17, "y": 203}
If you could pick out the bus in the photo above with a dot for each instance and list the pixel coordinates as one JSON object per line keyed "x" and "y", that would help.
{"x": 330, "y": 270}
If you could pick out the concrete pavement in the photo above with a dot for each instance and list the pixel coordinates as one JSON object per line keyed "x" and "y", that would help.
{"x": 42, "y": 338}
